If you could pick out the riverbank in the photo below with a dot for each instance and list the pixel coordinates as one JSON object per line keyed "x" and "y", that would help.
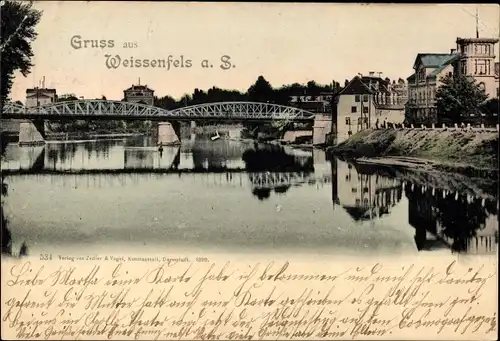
{"x": 469, "y": 153}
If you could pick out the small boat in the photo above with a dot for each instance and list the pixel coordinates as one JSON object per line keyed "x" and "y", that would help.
{"x": 216, "y": 137}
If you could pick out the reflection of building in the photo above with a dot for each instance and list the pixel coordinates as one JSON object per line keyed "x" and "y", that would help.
{"x": 366, "y": 99}
{"x": 40, "y": 96}
{"x": 447, "y": 220}
{"x": 139, "y": 94}
{"x": 473, "y": 57}
{"x": 365, "y": 196}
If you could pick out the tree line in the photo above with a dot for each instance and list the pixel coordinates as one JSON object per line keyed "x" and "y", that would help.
{"x": 260, "y": 91}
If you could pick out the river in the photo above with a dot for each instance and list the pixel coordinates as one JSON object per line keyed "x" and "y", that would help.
{"x": 103, "y": 196}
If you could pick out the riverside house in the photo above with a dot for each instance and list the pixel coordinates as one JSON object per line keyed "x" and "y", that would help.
{"x": 366, "y": 100}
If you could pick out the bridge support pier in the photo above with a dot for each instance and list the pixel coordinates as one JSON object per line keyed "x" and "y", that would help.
{"x": 32, "y": 133}
{"x": 167, "y": 135}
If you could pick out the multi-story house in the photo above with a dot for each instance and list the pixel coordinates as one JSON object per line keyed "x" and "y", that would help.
{"x": 139, "y": 94}
{"x": 40, "y": 96}
{"x": 473, "y": 57}
{"x": 367, "y": 101}
{"x": 430, "y": 69}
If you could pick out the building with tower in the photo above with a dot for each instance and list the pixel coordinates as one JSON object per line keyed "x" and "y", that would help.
{"x": 477, "y": 59}
{"x": 139, "y": 94}
{"x": 473, "y": 57}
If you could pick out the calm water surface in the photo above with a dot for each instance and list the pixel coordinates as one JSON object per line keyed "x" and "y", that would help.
{"x": 85, "y": 197}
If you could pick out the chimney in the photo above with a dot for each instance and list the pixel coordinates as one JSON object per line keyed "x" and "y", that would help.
{"x": 371, "y": 73}
{"x": 452, "y": 51}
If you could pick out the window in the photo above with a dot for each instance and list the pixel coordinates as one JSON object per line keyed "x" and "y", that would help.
{"x": 464, "y": 67}
{"x": 365, "y": 98}
{"x": 354, "y": 109}
{"x": 354, "y": 190}
{"x": 365, "y": 110}
{"x": 357, "y": 99}
{"x": 481, "y": 67}
{"x": 348, "y": 121}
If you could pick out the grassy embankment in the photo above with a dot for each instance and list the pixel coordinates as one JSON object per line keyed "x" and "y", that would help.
{"x": 455, "y": 151}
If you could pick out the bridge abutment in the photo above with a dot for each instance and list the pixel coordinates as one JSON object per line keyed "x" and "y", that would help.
{"x": 322, "y": 127}
{"x": 32, "y": 133}
{"x": 167, "y": 135}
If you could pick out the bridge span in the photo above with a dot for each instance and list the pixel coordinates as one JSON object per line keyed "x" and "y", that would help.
{"x": 105, "y": 109}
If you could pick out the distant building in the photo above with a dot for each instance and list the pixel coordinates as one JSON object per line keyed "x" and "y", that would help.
{"x": 40, "y": 96}
{"x": 139, "y": 94}
{"x": 317, "y": 104}
{"x": 473, "y": 57}
{"x": 366, "y": 99}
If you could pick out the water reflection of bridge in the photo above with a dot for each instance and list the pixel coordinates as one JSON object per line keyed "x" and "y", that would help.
{"x": 256, "y": 180}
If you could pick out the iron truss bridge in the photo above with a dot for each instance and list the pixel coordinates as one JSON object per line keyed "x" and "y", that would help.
{"x": 104, "y": 109}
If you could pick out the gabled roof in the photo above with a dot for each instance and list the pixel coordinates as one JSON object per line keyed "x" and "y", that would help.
{"x": 371, "y": 81}
{"x": 433, "y": 59}
{"x": 358, "y": 213}
{"x": 443, "y": 66}
{"x": 364, "y": 86}
{"x": 411, "y": 78}
{"x": 356, "y": 87}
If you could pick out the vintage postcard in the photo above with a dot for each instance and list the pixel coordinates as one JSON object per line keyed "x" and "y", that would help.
{"x": 249, "y": 171}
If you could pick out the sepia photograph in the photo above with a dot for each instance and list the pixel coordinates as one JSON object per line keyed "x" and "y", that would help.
{"x": 133, "y": 132}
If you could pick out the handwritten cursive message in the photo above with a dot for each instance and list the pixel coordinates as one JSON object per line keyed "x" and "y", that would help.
{"x": 177, "y": 300}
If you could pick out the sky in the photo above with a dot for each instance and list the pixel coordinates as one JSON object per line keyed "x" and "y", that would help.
{"x": 285, "y": 43}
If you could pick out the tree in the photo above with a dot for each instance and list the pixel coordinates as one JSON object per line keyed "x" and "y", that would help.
{"x": 458, "y": 98}
{"x": 490, "y": 109}
{"x": 18, "y": 21}
{"x": 67, "y": 98}
{"x": 261, "y": 91}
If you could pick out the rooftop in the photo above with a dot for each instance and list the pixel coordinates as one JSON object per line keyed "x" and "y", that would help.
{"x": 34, "y": 90}
{"x": 365, "y": 85}
{"x": 434, "y": 59}
{"x": 476, "y": 40}
{"x": 139, "y": 88}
